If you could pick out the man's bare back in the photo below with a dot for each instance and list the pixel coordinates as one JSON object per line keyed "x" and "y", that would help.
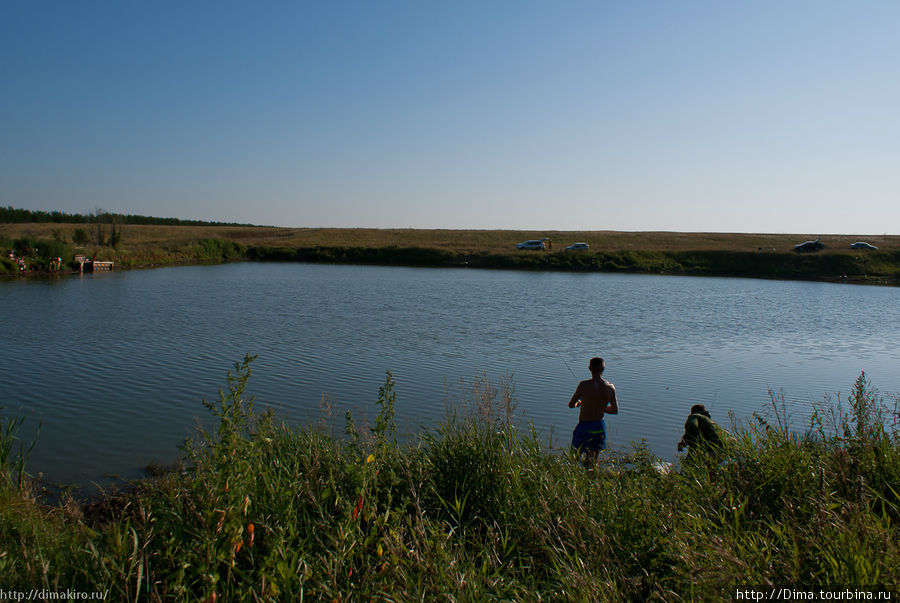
{"x": 594, "y": 397}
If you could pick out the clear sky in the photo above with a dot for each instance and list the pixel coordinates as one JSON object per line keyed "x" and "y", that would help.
{"x": 752, "y": 116}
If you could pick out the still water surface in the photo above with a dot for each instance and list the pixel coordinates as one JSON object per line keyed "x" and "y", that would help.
{"x": 114, "y": 366}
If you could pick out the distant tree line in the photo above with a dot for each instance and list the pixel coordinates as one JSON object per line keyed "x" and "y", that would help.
{"x": 12, "y": 215}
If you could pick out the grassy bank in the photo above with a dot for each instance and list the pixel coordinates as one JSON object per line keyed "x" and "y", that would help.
{"x": 475, "y": 509}
{"x": 720, "y": 254}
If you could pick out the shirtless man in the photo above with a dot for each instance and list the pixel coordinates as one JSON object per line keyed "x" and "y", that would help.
{"x": 594, "y": 396}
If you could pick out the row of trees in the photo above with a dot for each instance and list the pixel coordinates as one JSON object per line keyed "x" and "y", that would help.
{"x": 12, "y": 215}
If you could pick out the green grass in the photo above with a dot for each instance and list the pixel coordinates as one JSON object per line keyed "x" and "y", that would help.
{"x": 474, "y": 509}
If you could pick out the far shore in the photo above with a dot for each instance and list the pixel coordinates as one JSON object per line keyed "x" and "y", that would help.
{"x": 708, "y": 254}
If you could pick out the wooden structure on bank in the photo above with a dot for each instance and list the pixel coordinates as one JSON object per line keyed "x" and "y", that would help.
{"x": 86, "y": 265}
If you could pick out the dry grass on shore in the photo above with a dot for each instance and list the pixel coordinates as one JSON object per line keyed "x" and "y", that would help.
{"x": 145, "y": 236}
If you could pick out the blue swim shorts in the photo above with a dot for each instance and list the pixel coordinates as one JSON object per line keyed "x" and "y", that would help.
{"x": 589, "y": 435}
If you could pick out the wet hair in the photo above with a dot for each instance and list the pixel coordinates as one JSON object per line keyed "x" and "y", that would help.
{"x": 597, "y": 364}
{"x": 699, "y": 409}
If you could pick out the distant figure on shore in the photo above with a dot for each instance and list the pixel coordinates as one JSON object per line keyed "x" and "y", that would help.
{"x": 594, "y": 397}
{"x": 701, "y": 434}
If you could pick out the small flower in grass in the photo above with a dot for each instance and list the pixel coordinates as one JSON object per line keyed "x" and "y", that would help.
{"x": 358, "y": 508}
{"x": 250, "y": 531}
{"x": 370, "y": 459}
{"x": 237, "y": 546}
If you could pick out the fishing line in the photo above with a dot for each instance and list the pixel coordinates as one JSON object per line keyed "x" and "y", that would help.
{"x": 570, "y": 369}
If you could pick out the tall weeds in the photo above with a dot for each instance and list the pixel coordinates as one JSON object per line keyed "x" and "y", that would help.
{"x": 13, "y": 452}
{"x": 479, "y": 508}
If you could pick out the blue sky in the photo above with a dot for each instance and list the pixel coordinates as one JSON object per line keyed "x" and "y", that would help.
{"x": 686, "y": 116}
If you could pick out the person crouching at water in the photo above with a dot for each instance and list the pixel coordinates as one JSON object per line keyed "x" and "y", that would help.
{"x": 594, "y": 397}
{"x": 701, "y": 434}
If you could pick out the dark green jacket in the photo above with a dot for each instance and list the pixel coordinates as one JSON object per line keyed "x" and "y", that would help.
{"x": 700, "y": 431}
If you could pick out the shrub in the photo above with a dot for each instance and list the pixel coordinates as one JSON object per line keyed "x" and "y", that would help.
{"x": 7, "y": 266}
{"x": 80, "y": 237}
{"x": 215, "y": 249}
{"x": 41, "y": 249}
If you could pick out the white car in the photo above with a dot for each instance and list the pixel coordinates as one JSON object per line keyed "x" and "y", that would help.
{"x": 532, "y": 244}
{"x": 578, "y": 247}
{"x": 861, "y": 245}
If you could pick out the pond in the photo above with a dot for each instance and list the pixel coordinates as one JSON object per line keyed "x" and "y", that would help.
{"x": 113, "y": 367}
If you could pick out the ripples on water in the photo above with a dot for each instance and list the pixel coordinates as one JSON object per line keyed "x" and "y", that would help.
{"x": 114, "y": 366}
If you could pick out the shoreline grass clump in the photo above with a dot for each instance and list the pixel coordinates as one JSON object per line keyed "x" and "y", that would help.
{"x": 476, "y": 508}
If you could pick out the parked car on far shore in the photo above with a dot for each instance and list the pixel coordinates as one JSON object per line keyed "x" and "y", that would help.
{"x": 578, "y": 247}
{"x": 861, "y": 245}
{"x": 810, "y": 246}
{"x": 532, "y": 244}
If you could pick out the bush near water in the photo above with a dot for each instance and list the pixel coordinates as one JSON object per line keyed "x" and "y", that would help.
{"x": 474, "y": 509}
